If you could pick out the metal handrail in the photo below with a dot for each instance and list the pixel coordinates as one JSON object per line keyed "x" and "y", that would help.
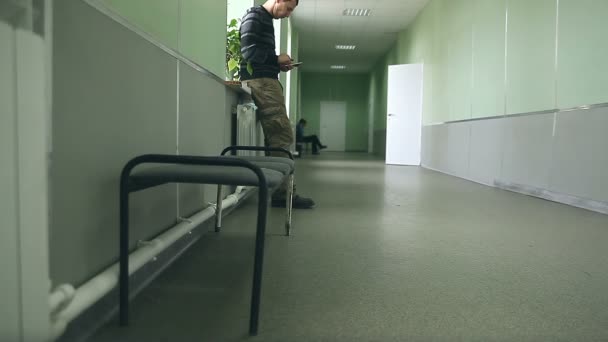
{"x": 514, "y": 115}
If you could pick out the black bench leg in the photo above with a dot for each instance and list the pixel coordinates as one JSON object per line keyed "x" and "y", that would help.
{"x": 218, "y": 210}
{"x": 289, "y": 204}
{"x": 124, "y": 254}
{"x": 258, "y": 260}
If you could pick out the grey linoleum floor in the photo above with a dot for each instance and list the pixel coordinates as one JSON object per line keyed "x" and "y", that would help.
{"x": 389, "y": 254}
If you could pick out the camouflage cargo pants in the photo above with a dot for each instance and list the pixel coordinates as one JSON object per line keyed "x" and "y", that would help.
{"x": 268, "y": 96}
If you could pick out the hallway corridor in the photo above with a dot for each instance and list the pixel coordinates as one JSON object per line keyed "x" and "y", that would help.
{"x": 389, "y": 254}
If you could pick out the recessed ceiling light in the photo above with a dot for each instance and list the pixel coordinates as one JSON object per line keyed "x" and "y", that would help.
{"x": 345, "y": 47}
{"x": 357, "y": 12}
{"x": 338, "y": 67}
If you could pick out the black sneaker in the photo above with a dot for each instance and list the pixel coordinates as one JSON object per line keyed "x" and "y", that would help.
{"x": 297, "y": 202}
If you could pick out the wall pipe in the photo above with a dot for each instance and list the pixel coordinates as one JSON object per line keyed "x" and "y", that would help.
{"x": 67, "y": 303}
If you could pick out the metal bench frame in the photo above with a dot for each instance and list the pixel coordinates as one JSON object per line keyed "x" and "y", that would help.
{"x": 127, "y": 186}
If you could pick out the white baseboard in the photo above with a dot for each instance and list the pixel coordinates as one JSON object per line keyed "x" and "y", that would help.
{"x": 575, "y": 201}
{"x": 571, "y": 200}
{"x": 453, "y": 175}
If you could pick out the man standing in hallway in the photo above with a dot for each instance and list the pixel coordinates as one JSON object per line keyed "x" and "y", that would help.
{"x": 258, "y": 50}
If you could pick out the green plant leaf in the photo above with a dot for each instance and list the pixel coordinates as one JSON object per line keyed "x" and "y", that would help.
{"x": 249, "y": 68}
{"x": 232, "y": 64}
{"x": 233, "y": 49}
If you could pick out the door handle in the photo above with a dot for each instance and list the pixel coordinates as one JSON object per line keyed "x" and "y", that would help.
{"x": 392, "y": 115}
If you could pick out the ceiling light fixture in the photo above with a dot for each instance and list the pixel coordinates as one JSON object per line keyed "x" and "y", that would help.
{"x": 338, "y": 67}
{"x": 357, "y": 12}
{"x": 345, "y": 47}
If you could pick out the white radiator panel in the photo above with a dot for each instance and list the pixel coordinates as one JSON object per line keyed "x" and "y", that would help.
{"x": 249, "y": 131}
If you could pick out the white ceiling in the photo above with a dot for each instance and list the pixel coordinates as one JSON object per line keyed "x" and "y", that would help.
{"x": 322, "y": 26}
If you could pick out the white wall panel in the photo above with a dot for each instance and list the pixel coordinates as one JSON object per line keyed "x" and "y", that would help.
{"x": 486, "y": 150}
{"x": 528, "y": 152}
{"x": 528, "y": 148}
{"x": 580, "y": 163}
{"x": 458, "y": 143}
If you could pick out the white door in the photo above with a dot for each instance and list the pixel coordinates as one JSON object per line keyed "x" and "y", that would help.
{"x": 333, "y": 125}
{"x": 404, "y": 114}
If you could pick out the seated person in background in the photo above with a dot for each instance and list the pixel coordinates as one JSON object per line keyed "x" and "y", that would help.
{"x": 300, "y": 137}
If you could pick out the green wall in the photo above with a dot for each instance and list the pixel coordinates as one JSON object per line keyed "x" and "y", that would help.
{"x": 489, "y": 65}
{"x": 197, "y": 29}
{"x": 295, "y": 76}
{"x": 351, "y": 88}
{"x": 487, "y": 58}
{"x": 582, "y": 76}
{"x": 531, "y": 55}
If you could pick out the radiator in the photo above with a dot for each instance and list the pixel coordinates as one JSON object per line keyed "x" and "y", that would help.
{"x": 249, "y": 130}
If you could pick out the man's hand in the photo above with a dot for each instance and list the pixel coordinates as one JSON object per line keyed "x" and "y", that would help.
{"x": 286, "y": 67}
{"x": 284, "y": 59}
{"x": 285, "y": 62}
